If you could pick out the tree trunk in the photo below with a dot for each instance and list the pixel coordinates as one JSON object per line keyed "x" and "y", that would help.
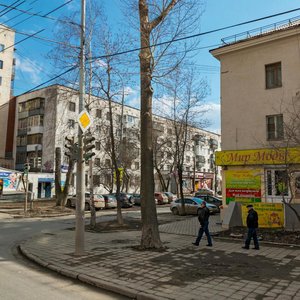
{"x": 57, "y": 180}
{"x": 150, "y": 234}
{"x": 93, "y": 210}
{"x": 179, "y": 169}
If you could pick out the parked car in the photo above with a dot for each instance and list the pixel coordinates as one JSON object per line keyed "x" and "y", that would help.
{"x": 124, "y": 198}
{"x": 205, "y": 192}
{"x": 171, "y": 196}
{"x": 135, "y": 199}
{"x": 210, "y": 199}
{"x": 161, "y": 198}
{"x": 99, "y": 201}
{"x": 192, "y": 206}
{"x": 110, "y": 201}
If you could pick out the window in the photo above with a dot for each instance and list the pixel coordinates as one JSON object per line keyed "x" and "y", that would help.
{"x": 97, "y": 145}
{"x": 72, "y": 106}
{"x": 108, "y": 116}
{"x": 98, "y": 113}
{"x": 0, "y": 80}
{"x": 275, "y": 127}
{"x": 136, "y": 165}
{"x": 71, "y": 123}
{"x": 273, "y": 75}
{"x": 188, "y": 159}
{"x": 1, "y": 64}
{"x": 169, "y": 131}
{"x": 1, "y": 47}
{"x": 277, "y": 183}
{"x": 98, "y": 128}
{"x": 97, "y": 162}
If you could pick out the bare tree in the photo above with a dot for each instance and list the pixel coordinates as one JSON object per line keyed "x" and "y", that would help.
{"x": 62, "y": 192}
{"x": 158, "y": 19}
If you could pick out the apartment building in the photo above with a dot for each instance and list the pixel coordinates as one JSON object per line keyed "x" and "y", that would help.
{"x": 260, "y": 90}
{"x": 7, "y": 62}
{"x": 46, "y": 116}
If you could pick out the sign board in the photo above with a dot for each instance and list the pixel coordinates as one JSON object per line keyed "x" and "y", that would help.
{"x": 270, "y": 215}
{"x": 84, "y": 120}
{"x": 258, "y": 157}
{"x": 243, "y": 185}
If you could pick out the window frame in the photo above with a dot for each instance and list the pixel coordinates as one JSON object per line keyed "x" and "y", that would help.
{"x": 278, "y": 133}
{"x": 273, "y": 75}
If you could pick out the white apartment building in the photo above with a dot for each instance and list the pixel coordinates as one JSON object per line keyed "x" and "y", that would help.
{"x": 7, "y": 62}
{"x": 46, "y": 116}
{"x": 260, "y": 89}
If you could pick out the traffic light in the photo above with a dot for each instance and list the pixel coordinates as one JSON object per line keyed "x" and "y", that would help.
{"x": 26, "y": 168}
{"x": 71, "y": 148}
{"x": 88, "y": 145}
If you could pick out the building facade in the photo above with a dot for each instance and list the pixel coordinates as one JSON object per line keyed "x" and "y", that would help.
{"x": 260, "y": 89}
{"x": 44, "y": 118}
{"x": 7, "y": 73}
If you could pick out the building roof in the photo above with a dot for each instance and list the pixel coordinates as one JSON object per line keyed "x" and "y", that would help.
{"x": 257, "y": 33}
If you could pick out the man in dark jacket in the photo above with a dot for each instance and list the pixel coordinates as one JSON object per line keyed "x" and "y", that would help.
{"x": 203, "y": 218}
{"x": 252, "y": 224}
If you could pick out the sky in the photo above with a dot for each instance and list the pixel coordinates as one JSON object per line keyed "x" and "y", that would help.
{"x": 33, "y": 67}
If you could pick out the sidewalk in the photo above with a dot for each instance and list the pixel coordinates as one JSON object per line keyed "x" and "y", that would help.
{"x": 183, "y": 271}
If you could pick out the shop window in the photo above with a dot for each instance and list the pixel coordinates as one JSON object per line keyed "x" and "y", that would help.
{"x": 277, "y": 183}
{"x": 273, "y": 75}
{"x": 275, "y": 127}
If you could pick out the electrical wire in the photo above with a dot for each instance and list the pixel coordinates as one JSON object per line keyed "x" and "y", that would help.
{"x": 196, "y": 35}
{"x": 28, "y": 37}
{"x": 167, "y": 42}
{"x": 10, "y": 8}
{"x": 46, "y": 16}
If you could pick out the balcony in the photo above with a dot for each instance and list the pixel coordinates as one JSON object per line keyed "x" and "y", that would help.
{"x": 200, "y": 159}
{"x": 23, "y": 114}
{"x": 199, "y": 139}
{"x": 34, "y": 147}
{"x": 213, "y": 144}
{"x": 37, "y": 111}
{"x": 35, "y": 129}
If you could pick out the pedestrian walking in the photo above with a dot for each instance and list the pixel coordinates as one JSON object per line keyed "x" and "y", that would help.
{"x": 203, "y": 218}
{"x": 252, "y": 224}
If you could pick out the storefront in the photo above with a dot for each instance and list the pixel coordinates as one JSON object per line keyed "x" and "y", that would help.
{"x": 260, "y": 175}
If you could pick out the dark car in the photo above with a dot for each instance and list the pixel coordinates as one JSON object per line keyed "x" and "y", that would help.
{"x": 135, "y": 199}
{"x": 125, "y": 203}
{"x": 210, "y": 199}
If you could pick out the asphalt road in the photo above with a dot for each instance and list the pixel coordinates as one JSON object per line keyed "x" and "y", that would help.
{"x": 22, "y": 279}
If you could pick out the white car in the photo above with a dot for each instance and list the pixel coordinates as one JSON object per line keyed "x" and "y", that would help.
{"x": 99, "y": 201}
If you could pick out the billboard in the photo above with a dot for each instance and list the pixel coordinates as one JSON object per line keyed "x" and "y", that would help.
{"x": 11, "y": 180}
{"x": 270, "y": 215}
{"x": 243, "y": 185}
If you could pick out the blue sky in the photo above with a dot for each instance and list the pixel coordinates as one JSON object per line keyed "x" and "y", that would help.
{"x": 34, "y": 68}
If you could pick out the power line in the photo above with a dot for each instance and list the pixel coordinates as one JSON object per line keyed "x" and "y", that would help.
{"x": 46, "y": 16}
{"x": 196, "y": 35}
{"x": 23, "y": 40}
{"x": 167, "y": 42}
{"x": 9, "y": 8}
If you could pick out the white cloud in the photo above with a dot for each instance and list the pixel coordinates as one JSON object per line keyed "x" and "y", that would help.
{"x": 28, "y": 69}
{"x": 213, "y": 115}
{"x": 132, "y": 97}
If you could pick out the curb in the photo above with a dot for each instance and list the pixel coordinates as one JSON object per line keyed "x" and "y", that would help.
{"x": 100, "y": 283}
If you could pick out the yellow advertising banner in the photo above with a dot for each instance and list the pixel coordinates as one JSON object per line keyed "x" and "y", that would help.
{"x": 258, "y": 157}
{"x": 270, "y": 215}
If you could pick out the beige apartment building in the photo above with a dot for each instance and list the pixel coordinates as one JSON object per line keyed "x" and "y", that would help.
{"x": 260, "y": 110}
{"x": 7, "y": 62}
{"x": 45, "y": 117}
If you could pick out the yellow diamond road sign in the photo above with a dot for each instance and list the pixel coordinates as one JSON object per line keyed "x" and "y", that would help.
{"x": 85, "y": 120}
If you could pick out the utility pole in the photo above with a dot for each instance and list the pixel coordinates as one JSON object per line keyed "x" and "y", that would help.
{"x": 80, "y": 178}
